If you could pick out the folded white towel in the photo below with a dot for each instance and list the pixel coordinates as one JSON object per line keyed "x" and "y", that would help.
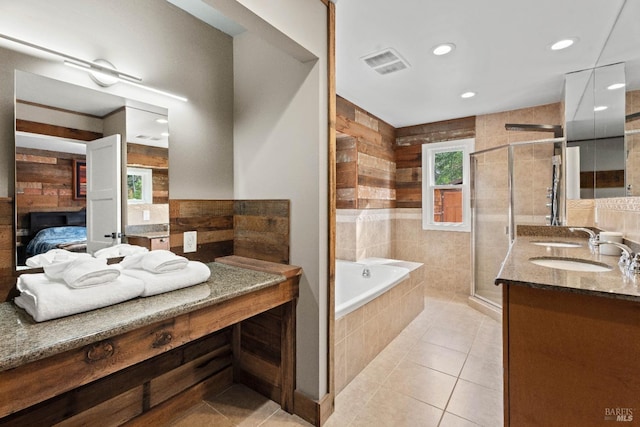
{"x": 195, "y": 272}
{"x": 132, "y": 261}
{"x": 56, "y": 269}
{"x": 54, "y": 256}
{"x": 46, "y": 299}
{"x": 161, "y": 261}
{"x": 122, "y": 249}
{"x": 158, "y": 261}
{"x": 86, "y": 273}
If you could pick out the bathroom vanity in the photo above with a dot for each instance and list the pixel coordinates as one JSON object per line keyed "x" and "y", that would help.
{"x": 151, "y": 241}
{"x": 571, "y": 339}
{"x": 143, "y": 360}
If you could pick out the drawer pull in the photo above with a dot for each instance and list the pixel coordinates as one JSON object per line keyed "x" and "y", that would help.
{"x": 162, "y": 339}
{"x": 100, "y": 351}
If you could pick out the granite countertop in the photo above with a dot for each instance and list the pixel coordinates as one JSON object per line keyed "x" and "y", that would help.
{"x": 24, "y": 340}
{"x": 150, "y": 234}
{"x": 518, "y": 270}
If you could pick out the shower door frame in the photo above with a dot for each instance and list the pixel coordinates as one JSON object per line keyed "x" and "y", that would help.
{"x": 559, "y": 144}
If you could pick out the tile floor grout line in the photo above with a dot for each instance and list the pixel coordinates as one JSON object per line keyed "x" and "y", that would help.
{"x": 468, "y": 353}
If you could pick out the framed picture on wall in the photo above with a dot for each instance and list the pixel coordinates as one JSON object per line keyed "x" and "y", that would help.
{"x": 79, "y": 179}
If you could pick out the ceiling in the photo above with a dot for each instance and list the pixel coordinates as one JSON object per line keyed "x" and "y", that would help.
{"x": 502, "y": 53}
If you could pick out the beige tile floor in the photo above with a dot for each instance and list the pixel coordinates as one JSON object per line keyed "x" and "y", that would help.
{"x": 444, "y": 369}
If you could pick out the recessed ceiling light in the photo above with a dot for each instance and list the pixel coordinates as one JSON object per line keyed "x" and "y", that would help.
{"x": 443, "y": 49}
{"x": 616, "y": 86}
{"x": 162, "y": 121}
{"x": 600, "y": 108}
{"x": 468, "y": 95}
{"x": 164, "y": 134}
{"x": 563, "y": 44}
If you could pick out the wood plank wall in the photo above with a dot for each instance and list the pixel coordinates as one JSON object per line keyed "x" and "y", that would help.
{"x": 212, "y": 219}
{"x": 44, "y": 182}
{"x": 7, "y": 255}
{"x": 251, "y": 228}
{"x": 408, "y": 154}
{"x": 365, "y": 169}
{"x": 156, "y": 159}
{"x": 261, "y": 230}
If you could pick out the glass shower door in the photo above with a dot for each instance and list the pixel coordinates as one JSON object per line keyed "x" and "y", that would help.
{"x": 491, "y": 217}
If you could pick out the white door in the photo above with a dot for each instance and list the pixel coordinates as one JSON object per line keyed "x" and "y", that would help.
{"x": 103, "y": 193}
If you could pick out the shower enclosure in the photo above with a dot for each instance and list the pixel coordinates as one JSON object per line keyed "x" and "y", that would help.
{"x": 511, "y": 185}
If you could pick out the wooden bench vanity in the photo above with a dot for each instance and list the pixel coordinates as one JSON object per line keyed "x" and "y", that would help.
{"x": 143, "y": 361}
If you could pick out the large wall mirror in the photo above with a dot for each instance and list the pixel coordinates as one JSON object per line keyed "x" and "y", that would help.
{"x": 61, "y": 134}
{"x": 602, "y": 109}
{"x": 595, "y": 110}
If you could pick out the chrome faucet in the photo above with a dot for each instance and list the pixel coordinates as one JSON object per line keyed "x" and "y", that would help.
{"x": 629, "y": 261}
{"x": 593, "y": 238}
{"x": 366, "y": 273}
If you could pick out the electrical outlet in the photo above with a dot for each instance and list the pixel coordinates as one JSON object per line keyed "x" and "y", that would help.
{"x": 190, "y": 240}
{"x": 146, "y": 215}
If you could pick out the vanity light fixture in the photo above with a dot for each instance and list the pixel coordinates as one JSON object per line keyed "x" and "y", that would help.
{"x": 468, "y": 95}
{"x": 600, "y": 108}
{"x": 563, "y": 44}
{"x": 102, "y": 72}
{"x": 443, "y": 49}
{"x": 616, "y": 86}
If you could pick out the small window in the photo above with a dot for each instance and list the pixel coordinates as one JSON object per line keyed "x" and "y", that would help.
{"x": 139, "y": 182}
{"x": 445, "y": 185}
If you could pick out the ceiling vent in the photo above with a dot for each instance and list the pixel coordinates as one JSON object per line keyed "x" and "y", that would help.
{"x": 386, "y": 61}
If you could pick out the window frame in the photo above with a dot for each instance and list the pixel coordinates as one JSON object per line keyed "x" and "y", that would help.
{"x": 429, "y": 152}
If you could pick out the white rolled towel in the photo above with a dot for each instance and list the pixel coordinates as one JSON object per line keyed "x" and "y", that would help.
{"x": 122, "y": 249}
{"x": 159, "y": 261}
{"x": 194, "y": 273}
{"x": 162, "y": 261}
{"x": 46, "y": 299}
{"x": 54, "y": 256}
{"x": 56, "y": 269}
{"x": 87, "y": 273}
{"x": 132, "y": 261}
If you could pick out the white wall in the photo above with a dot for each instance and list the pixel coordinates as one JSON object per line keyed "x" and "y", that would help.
{"x": 152, "y": 39}
{"x": 280, "y": 151}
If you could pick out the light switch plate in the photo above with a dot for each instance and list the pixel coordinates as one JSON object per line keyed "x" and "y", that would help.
{"x": 146, "y": 215}
{"x": 190, "y": 240}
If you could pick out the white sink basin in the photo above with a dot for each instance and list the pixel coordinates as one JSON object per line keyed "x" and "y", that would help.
{"x": 556, "y": 244}
{"x": 572, "y": 264}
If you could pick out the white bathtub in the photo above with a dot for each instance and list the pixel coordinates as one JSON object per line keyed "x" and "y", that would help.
{"x": 353, "y": 290}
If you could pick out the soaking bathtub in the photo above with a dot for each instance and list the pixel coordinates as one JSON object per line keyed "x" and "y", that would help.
{"x": 353, "y": 289}
{"x": 372, "y": 311}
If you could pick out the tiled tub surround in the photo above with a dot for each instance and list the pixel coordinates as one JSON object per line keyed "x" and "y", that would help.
{"x": 362, "y": 334}
{"x": 364, "y": 233}
{"x": 398, "y": 234}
